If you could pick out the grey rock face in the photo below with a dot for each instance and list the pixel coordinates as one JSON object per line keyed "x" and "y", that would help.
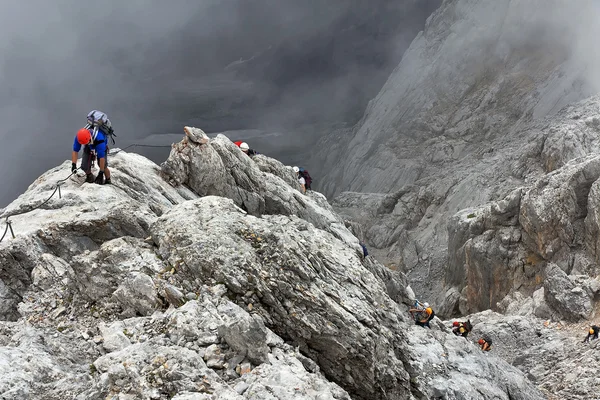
{"x": 174, "y": 296}
{"x": 273, "y": 166}
{"x": 550, "y": 354}
{"x": 572, "y": 299}
{"x": 114, "y": 338}
{"x": 345, "y": 331}
{"x": 489, "y": 251}
{"x": 246, "y": 335}
{"x": 138, "y": 293}
{"x": 448, "y": 93}
{"x": 506, "y": 246}
{"x": 274, "y": 305}
{"x": 462, "y": 123}
{"x": 255, "y": 256}
{"x": 448, "y": 360}
{"x": 220, "y": 168}
{"x": 83, "y": 219}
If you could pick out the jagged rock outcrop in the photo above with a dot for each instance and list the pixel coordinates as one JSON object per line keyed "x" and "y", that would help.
{"x": 220, "y": 168}
{"x": 535, "y": 236}
{"x": 83, "y": 218}
{"x": 165, "y": 294}
{"x": 461, "y": 123}
{"x": 572, "y": 298}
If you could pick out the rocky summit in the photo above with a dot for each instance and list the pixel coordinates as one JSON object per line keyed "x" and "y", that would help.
{"x": 213, "y": 277}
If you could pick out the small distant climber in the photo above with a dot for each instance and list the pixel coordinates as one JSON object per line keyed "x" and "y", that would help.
{"x": 245, "y": 148}
{"x": 94, "y": 137}
{"x": 422, "y": 315}
{"x": 462, "y": 328}
{"x": 485, "y": 344}
{"x": 592, "y": 333}
{"x": 307, "y": 178}
{"x": 364, "y": 248}
{"x": 301, "y": 180}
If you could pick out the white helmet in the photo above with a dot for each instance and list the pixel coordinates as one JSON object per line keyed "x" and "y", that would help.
{"x": 426, "y": 305}
{"x": 244, "y": 146}
{"x": 296, "y": 169}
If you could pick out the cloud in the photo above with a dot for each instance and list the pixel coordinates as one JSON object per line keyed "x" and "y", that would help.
{"x": 155, "y": 66}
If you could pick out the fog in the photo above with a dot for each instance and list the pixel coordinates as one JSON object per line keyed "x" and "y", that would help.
{"x": 155, "y": 66}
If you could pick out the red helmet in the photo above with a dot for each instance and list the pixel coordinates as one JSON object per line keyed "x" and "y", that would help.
{"x": 84, "y": 136}
{"x": 455, "y": 323}
{"x": 481, "y": 341}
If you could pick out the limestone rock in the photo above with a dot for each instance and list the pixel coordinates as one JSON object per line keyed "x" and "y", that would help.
{"x": 244, "y": 334}
{"x": 286, "y": 301}
{"x": 287, "y": 298}
{"x": 220, "y": 168}
{"x": 570, "y": 300}
{"x": 114, "y": 338}
{"x": 196, "y": 135}
{"x": 455, "y": 129}
{"x": 138, "y": 293}
{"x": 174, "y": 296}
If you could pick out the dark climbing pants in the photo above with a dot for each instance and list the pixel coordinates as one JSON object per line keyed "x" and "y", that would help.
{"x": 86, "y": 160}
{"x": 423, "y": 324}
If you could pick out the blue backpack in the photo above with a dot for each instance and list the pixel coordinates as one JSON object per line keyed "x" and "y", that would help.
{"x": 97, "y": 120}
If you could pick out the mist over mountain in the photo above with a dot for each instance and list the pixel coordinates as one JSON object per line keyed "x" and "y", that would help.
{"x": 472, "y": 179}
{"x": 492, "y": 97}
{"x": 220, "y": 65}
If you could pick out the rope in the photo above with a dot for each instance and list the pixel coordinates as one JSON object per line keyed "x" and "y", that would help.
{"x": 5, "y": 230}
{"x": 138, "y": 145}
{"x": 57, "y": 189}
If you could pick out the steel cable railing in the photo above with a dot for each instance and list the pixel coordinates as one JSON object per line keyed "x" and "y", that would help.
{"x": 57, "y": 189}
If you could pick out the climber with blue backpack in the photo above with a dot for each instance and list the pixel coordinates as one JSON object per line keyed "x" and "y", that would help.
{"x": 94, "y": 137}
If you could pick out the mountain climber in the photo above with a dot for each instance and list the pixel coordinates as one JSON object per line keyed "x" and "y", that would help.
{"x": 94, "y": 147}
{"x": 301, "y": 180}
{"x": 485, "y": 344}
{"x": 592, "y": 333}
{"x": 307, "y": 178}
{"x": 422, "y": 314}
{"x": 364, "y": 249}
{"x": 246, "y": 149}
{"x": 462, "y": 328}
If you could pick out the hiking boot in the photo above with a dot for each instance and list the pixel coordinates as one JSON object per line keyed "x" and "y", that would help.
{"x": 107, "y": 181}
{"x": 89, "y": 178}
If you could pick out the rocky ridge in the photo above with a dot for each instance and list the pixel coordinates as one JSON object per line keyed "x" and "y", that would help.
{"x": 224, "y": 283}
